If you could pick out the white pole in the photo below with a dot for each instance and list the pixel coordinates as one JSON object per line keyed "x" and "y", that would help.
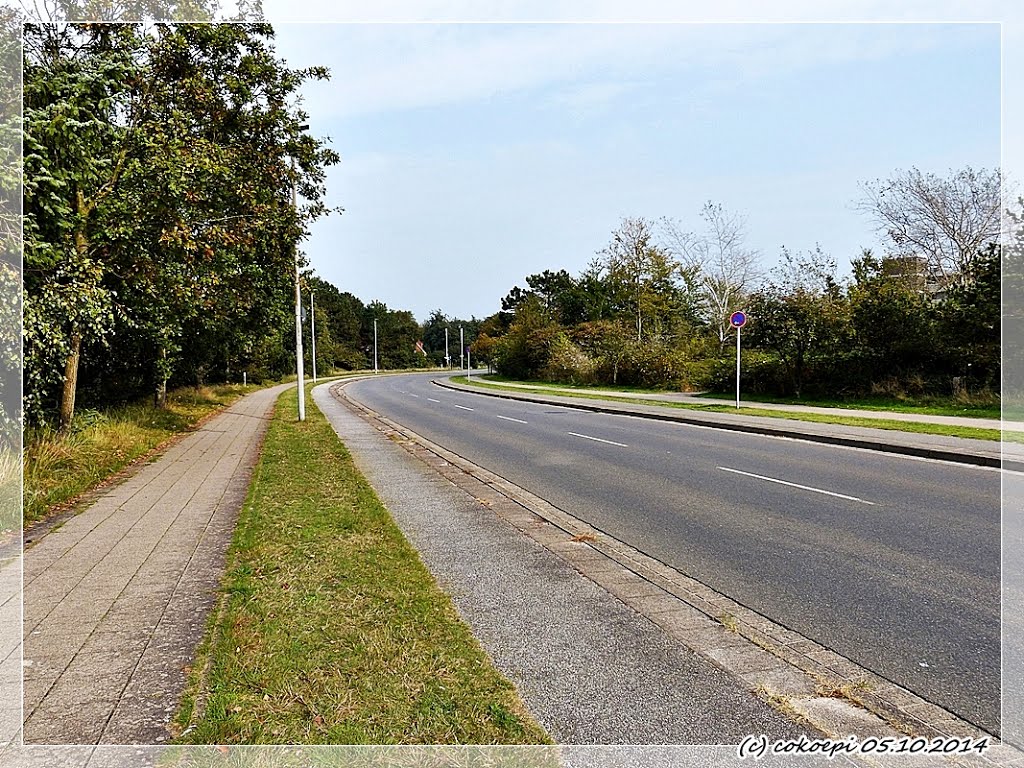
{"x": 312, "y": 330}
{"x": 298, "y": 313}
{"x": 469, "y": 368}
{"x": 243, "y": 379}
{"x": 375, "y": 345}
{"x": 447, "y": 359}
{"x": 737, "y": 367}
{"x": 462, "y": 349}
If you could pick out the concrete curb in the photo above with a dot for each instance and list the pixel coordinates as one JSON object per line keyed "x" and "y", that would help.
{"x": 808, "y": 681}
{"x": 753, "y": 425}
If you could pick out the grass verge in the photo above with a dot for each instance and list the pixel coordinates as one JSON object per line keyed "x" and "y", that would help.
{"x": 331, "y": 630}
{"x": 980, "y": 407}
{"x": 59, "y": 467}
{"x": 975, "y": 433}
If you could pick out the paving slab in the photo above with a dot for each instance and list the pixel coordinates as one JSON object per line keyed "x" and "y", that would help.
{"x": 116, "y": 599}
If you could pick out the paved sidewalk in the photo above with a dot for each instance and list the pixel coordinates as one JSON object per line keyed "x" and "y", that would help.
{"x": 117, "y": 598}
{"x": 684, "y": 397}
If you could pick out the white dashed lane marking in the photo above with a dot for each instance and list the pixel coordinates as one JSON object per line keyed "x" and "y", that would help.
{"x": 796, "y": 485}
{"x": 509, "y": 418}
{"x": 599, "y": 440}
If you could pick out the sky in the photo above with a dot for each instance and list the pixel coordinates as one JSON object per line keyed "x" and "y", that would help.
{"x": 474, "y": 155}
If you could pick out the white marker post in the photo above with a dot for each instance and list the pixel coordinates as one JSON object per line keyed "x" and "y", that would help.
{"x": 462, "y": 348}
{"x": 447, "y": 357}
{"x": 469, "y": 368}
{"x": 375, "y": 345}
{"x": 737, "y": 320}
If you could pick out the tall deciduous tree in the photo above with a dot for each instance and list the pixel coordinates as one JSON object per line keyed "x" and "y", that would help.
{"x": 162, "y": 165}
{"x": 948, "y": 221}
{"x": 800, "y": 313}
{"x": 645, "y": 274}
{"x": 721, "y": 264}
{"x": 81, "y": 108}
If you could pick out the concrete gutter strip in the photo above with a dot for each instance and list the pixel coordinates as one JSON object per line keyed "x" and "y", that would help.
{"x": 983, "y": 453}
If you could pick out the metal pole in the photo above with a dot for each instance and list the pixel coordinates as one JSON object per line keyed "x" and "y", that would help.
{"x": 469, "y": 368}
{"x": 312, "y": 330}
{"x": 462, "y": 349}
{"x": 375, "y": 345}
{"x": 447, "y": 359}
{"x": 738, "y": 367}
{"x": 298, "y": 309}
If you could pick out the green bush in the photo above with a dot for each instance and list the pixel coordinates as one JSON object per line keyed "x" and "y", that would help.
{"x": 568, "y": 364}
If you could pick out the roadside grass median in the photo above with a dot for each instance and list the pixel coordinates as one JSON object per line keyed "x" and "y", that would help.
{"x": 330, "y": 630}
{"x": 982, "y": 406}
{"x": 975, "y": 433}
{"x": 61, "y": 466}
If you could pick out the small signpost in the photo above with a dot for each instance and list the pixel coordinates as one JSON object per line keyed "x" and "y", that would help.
{"x": 737, "y": 320}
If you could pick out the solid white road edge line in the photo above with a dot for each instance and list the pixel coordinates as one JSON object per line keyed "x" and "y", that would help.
{"x": 598, "y": 440}
{"x": 797, "y": 485}
{"x": 509, "y": 418}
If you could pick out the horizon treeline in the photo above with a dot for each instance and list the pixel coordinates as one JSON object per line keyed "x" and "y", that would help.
{"x": 652, "y": 309}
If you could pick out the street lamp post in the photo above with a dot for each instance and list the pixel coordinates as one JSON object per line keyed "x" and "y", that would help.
{"x": 312, "y": 331}
{"x": 447, "y": 359}
{"x": 298, "y": 302}
{"x": 375, "y": 345}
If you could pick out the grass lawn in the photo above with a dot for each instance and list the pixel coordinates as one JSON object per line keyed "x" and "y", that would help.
{"x": 981, "y": 408}
{"x": 976, "y": 433}
{"x": 60, "y": 467}
{"x": 331, "y": 630}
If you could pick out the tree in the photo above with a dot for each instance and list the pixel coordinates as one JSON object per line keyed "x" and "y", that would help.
{"x": 892, "y": 319}
{"x": 800, "y": 314}
{"x": 81, "y": 110}
{"x": 969, "y": 328}
{"x": 947, "y": 221}
{"x": 606, "y": 340}
{"x": 159, "y": 179}
{"x": 719, "y": 262}
{"x": 644, "y": 275}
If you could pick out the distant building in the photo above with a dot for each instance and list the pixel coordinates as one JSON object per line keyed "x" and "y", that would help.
{"x": 919, "y": 274}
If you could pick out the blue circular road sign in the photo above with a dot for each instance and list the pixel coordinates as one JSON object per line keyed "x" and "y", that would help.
{"x": 738, "y": 319}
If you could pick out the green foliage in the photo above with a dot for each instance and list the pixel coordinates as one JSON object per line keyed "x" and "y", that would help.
{"x": 801, "y": 315}
{"x": 160, "y": 229}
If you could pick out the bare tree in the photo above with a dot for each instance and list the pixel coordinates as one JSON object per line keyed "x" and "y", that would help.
{"x": 724, "y": 267}
{"x": 944, "y": 221}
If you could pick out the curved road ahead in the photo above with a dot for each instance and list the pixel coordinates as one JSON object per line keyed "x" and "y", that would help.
{"x": 889, "y": 560}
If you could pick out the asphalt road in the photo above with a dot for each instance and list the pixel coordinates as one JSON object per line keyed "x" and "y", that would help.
{"x": 891, "y": 561}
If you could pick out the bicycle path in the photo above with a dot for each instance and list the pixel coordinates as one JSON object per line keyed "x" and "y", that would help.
{"x": 116, "y": 599}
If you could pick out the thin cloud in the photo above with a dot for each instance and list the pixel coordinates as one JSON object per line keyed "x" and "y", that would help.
{"x": 388, "y": 68}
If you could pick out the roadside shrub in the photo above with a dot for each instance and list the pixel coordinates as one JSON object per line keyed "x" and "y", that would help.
{"x": 568, "y": 364}
{"x": 760, "y": 373}
{"x": 523, "y": 353}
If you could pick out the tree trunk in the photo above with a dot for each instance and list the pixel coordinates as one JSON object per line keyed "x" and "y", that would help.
{"x": 67, "y": 400}
{"x": 160, "y": 395}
